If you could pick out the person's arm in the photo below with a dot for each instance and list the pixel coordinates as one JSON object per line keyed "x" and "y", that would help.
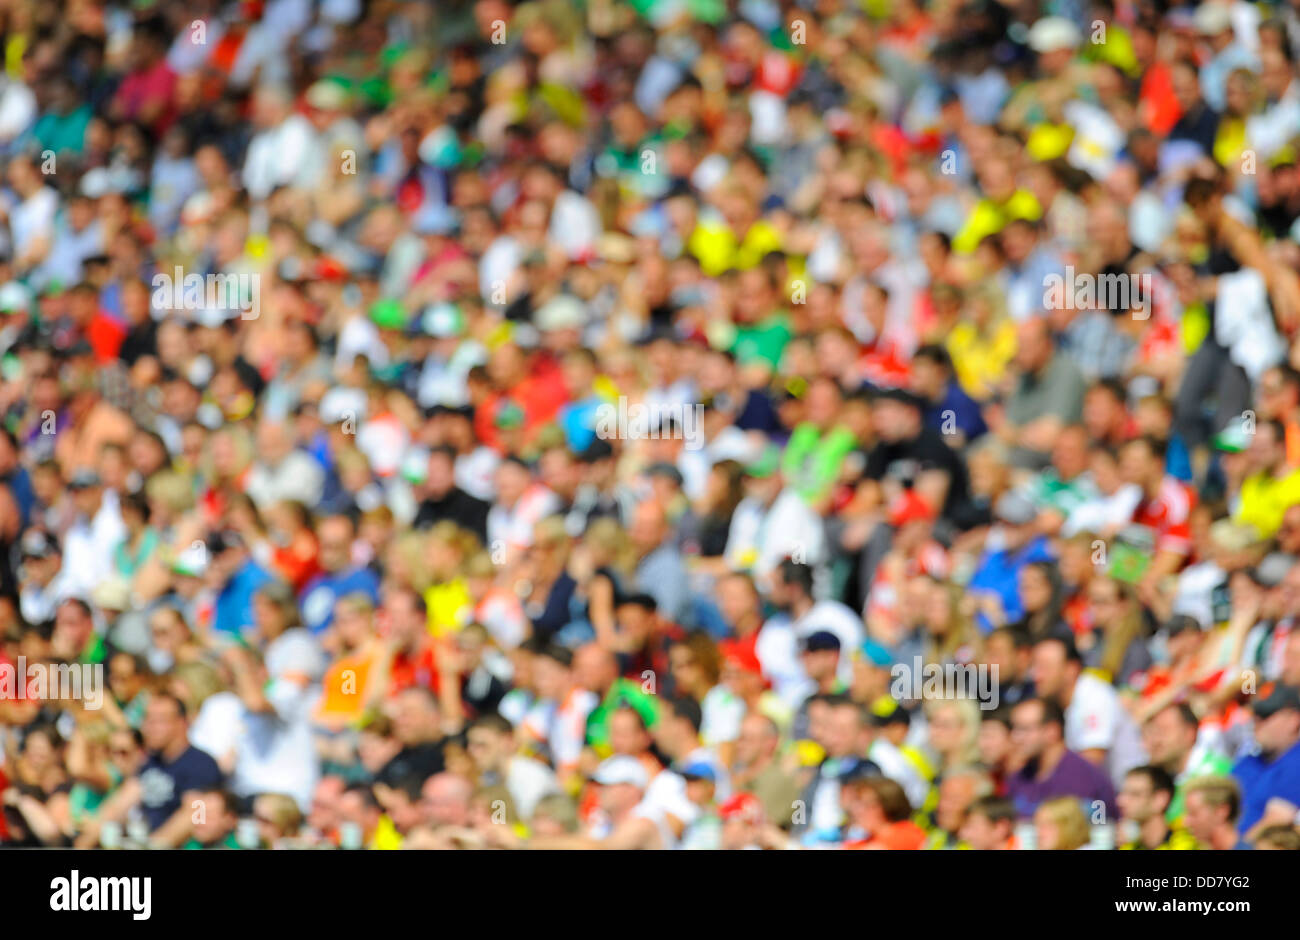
{"x": 635, "y": 833}
{"x": 82, "y": 767}
{"x": 179, "y": 826}
{"x": 114, "y": 809}
{"x": 36, "y": 816}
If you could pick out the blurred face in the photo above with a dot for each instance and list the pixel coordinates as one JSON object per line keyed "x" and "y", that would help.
{"x": 994, "y": 743}
{"x": 1200, "y": 817}
{"x": 1049, "y": 669}
{"x": 335, "y": 544}
{"x": 980, "y": 833}
{"x": 618, "y": 798}
{"x": 842, "y": 732}
{"x": 1279, "y": 731}
{"x": 955, "y": 797}
{"x": 1168, "y": 740}
{"x": 1035, "y": 589}
{"x": 550, "y": 678}
{"x": 488, "y": 748}
{"x": 1137, "y": 799}
{"x": 1049, "y": 833}
{"x": 216, "y": 821}
{"x": 162, "y": 724}
{"x": 627, "y": 736}
{"x": 735, "y": 599}
{"x": 947, "y": 731}
{"x": 1027, "y": 731}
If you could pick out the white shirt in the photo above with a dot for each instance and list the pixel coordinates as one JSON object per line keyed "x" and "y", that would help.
{"x": 1096, "y": 719}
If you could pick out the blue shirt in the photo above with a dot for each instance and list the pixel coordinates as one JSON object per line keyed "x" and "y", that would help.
{"x": 162, "y": 784}
{"x": 324, "y": 591}
{"x": 234, "y": 608}
{"x": 966, "y": 415}
{"x": 1261, "y": 780}
{"x": 999, "y": 572}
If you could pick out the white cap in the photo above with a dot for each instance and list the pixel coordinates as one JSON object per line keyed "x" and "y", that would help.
{"x": 1054, "y": 33}
{"x": 621, "y": 770}
{"x": 564, "y": 312}
{"x": 1211, "y": 19}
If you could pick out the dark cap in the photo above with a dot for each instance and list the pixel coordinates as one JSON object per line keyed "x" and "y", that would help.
{"x": 1182, "y": 623}
{"x": 820, "y": 641}
{"x": 900, "y": 395}
{"x": 665, "y": 470}
{"x": 1282, "y": 696}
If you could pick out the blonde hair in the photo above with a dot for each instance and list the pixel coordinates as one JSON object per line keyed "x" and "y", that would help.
{"x": 1067, "y": 815}
{"x": 610, "y": 539}
{"x": 968, "y": 712}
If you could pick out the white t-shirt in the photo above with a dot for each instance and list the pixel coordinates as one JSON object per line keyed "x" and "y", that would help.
{"x": 1097, "y": 719}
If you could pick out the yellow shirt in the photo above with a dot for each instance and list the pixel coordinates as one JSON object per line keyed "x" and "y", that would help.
{"x": 989, "y": 218}
{"x": 450, "y": 607}
{"x": 718, "y": 250}
{"x": 1265, "y": 500}
{"x": 980, "y": 359}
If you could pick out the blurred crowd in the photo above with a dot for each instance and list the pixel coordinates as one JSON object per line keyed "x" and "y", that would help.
{"x": 655, "y": 424}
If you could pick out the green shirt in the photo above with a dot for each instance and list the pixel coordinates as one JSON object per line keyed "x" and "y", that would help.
{"x": 764, "y": 340}
{"x": 812, "y": 460}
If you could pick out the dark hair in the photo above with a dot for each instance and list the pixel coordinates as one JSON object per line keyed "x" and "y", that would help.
{"x": 936, "y": 354}
{"x": 1161, "y": 781}
{"x": 1053, "y": 713}
{"x": 493, "y": 722}
{"x": 995, "y": 809}
{"x": 795, "y": 574}
{"x": 685, "y": 707}
{"x": 1066, "y": 643}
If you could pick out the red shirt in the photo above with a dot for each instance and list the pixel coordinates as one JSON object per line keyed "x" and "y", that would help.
{"x": 1168, "y": 514}
{"x": 408, "y": 671}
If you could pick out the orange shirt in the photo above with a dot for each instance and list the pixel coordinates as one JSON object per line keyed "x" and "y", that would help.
{"x": 343, "y": 690}
{"x": 904, "y": 834}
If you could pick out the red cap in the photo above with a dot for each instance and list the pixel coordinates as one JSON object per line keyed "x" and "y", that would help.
{"x": 910, "y": 507}
{"x": 741, "y": 655}
{"x": 742, "y": 806}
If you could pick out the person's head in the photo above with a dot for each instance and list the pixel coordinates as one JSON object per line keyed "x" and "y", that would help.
{"x": 819, "y": 654}
{"x": 628, "y": 734}
{"x": 1277, "y": 720}
{"x": 1279, "y": 837}
{"x": 931, "y": 371}
{"x": 1008, "y": 649}
{"x": 792, "y": 586}
{"x": 875, "y": 802}
{"x": 491, "y": 743}
{"x": 958, "y": 790}
{"x": 358, "y": 808}
{"x": 594, "y": 668}
{"x": 758, "y": 740}
{"x": 1034, "y": 349}
{"x": 215, "y": 817}
{"x": 415, "y": 716}
{"x": 335, "y": 534}
{"x": 1145, "y": 794}
{"x": 896, "y": 416}
{"x": 1169, "y": 736}
{"x": 738, "y": 598}
{"x": 445, "y": 800}
{"x": 1037, "y": 728}
{"x": 553, "y": 672}
{"x": 845, "y": 728}
{"x": 165, "y": 722}
{"x": 1142, "y": 462}
{"x": 621, "y": 782}
{"x": 954, "y": 728}
{"x": 325, "y": 799}
{"x": 73, "y": 626}
{"x": 275, "y": 610}
{"x": 1211, "y": 807}
{"x": 989, "y": 823}
{"x": 1061, "y": 824}
{"x": 678, "y": 731}
{"x": 1055, "y": 667}
{"x": 994, "y": 742}
{"x": 277, "y": 816}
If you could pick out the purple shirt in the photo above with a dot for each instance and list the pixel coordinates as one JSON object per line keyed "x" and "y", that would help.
{"x": 1073, "y": 776}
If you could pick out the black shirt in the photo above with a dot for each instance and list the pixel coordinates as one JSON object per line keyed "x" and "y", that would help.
{"x": 162, "y": 784}
{"x": 466, "y": 511}
{"x": 905, "y": 461}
